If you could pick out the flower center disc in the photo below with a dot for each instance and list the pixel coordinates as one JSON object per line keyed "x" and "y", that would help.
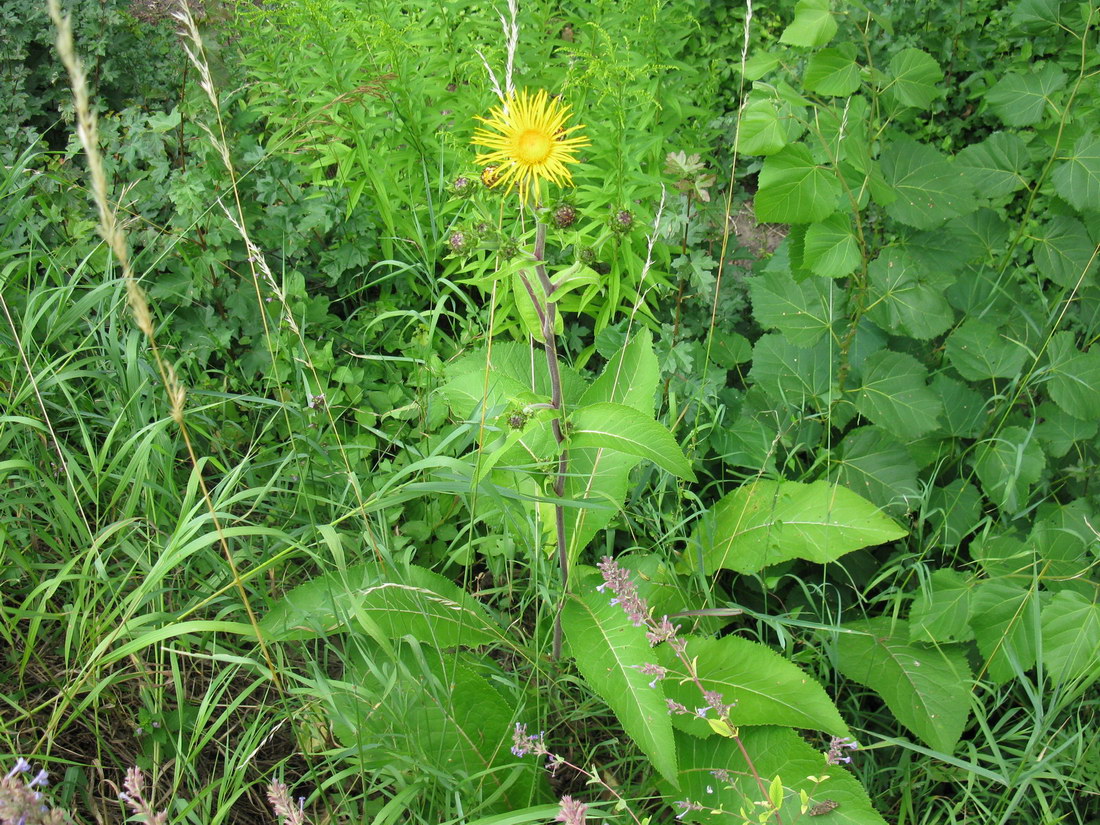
{"x": 534, "y": 146}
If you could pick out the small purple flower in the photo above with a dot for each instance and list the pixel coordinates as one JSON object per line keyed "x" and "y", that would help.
{"x": 836, "y": 744}
{"x": 523, "y": 744}
{"x": 675, "y": 708}
{"x": 573, "y": 811}
{"x": 21, "y": 766}
{"x": 686, "y": 805}
{"x": 656, "y": 671}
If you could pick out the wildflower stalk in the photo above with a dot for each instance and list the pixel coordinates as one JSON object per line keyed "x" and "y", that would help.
{"x": 547, "y": 313}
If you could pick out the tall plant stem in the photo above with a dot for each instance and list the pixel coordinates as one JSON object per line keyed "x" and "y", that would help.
{"x": 548, "y": 317}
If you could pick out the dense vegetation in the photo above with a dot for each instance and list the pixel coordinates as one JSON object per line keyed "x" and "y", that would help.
{"x": 736, "y": 466}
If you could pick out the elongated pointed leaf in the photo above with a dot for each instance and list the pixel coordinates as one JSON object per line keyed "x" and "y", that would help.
{"x": 609, "y": 651}
{"x": 631, "y": 376}
{"x": 775, "y": 752}
{"x": 619, "y": 427}
{"x": 925, "y": 687}
{"x": 766, "y": 688}
{"x": 767, "y": 522}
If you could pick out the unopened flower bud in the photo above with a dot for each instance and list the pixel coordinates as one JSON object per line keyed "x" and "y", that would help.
{"x": 621, "y": 221}
{"x": 564, "y": 216}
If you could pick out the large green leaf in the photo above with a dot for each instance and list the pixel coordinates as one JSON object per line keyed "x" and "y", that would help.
{"x": 431, "y": 713}
{"x": 598, "y": 479}
{"x": 1059, "y": 431}
{"x": 996, "y": 165}
{"x": 941, "y": 610}
{"x": 765, "y": 688}
{"x": 795, "y": 189}
{"x": 775, "y": 752}
{"x": 963, "y": 408}
{"x": 765, "y": 126}
{"x": 1071, "y": 637}
{"x": 1022, "y": 99}
{"x": 926, "y": 688}
{"x": 1063, "y": 251}
{"x": 953, "y": 512}
{"x": 1073, "y": 377}
{"x": 831, "y": 248}
{"x": 979, "y": 350}
{"x": 804, "y": 311}
{"x": 1007, "y": 465}
{"x": 914, "y": 75}
{"x": 904, "y": 299}
{"x": 631, "y": 376}
{"x": 872, "y": 463}
{"x": 832, "y": 71}
{"x": 1077, "y": 178}
{"x": 408, "y": 602}
{"x": 813, "y": 24}
{"x": 767, "y": 522}
{"x": 1005, "y": 618}
{"x": 609, "y": 651}
{"x": 929, "y": 188}
{"x": 619, "y": 427}
{"x": 793, "y": 375}
{"x": 895, "y": 394}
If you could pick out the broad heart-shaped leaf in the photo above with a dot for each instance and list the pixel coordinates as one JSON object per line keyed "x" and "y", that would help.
{"x": 964, "y": 410}
{"x": 630, "y": 377}
{"x": 1074, "y": 377}
{"x": 996, "y": 165}
{"x": 1036, "y": 16}
{"x": 433, "y": 713}
{"x": 1005, "y": 618}
{"x": 1021, "y": 99}
{"x": 1071, "y": 637}
{"x": 953, "y": 512}
{"x": 929, "y": 188}
{"x": 794, "y": 376}
{"x": 914, "y": 75}
{"x": 926, "y": 688}
{"x": 872, "y": 463}
{"x": 775, "y": 752}
{"x": 765, "y": 688}
{"x": 1007, "y": 465}
{"x": 1064, "y": 252}
{"x": 766, "y": 522}
{"x": 619, "y": 427}
{"x": 1077, "y": 178}
{"x": 795, "y": 189}
{"x": 813, "y": 24}
{"x": 979, "y": 350}
{"x": 609, "y": 651}
{"x": 408, "y": 602}
{"x": 831, "y": 248}
{"x": 1059, "y": 431}
{"x": 941, "y": 611}
{"x": 803, "y": 311}
{"x": 904, "y": 300}
{"x": 895, "y": 395}
{"x": 832, "y": 72}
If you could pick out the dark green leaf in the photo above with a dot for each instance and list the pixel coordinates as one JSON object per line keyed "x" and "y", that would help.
{"x": 996, "y": 165}
{"x": 1007, "y": 465}
{"x": 803, "y": 311}
{"x": 979, "y": 350}
{"x": 832, "y": 72}
{"x": 1059, "y": 431}
{"x": 895, "y": 394}
{"x": 953, "y": 512}
{"x": 1073, "y": 377}
{"x": 904, "y": 300}
{"x": 830, "y": 248}
{"x": 871, "y": 463}
{"x": 963, "y": 408}
{"x": 941, "y": 611}
{"x": 914, "y": 75}
{"x": 929, "y": 188}
{"x": 791, "y": 375}
{"x": 1021, "y": 99}
{"x": 1077, "y": 178}
{"x": 926, "y": 688}
{"x": 1064, "y": 252}
{"x": 795, "y": 189}
{"x": 1005, "y": 618}
{"x": 1071, "y": 637}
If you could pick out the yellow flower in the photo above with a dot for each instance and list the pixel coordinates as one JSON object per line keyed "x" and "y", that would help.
{"x": 530, "y": 142}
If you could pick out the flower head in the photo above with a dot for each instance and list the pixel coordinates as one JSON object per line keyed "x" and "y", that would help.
{"x": 528, "y": 142}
